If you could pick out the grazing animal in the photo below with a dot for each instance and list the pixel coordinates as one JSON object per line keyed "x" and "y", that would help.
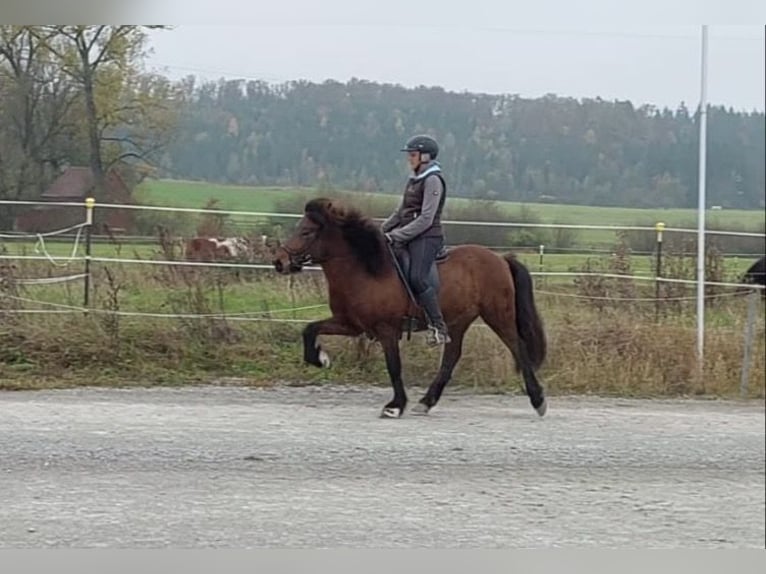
{"x": 213, "y": 249}
{"x": 367, "y": 296}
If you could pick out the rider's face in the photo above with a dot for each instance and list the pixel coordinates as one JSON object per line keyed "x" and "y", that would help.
{"x": 413, "y": 158}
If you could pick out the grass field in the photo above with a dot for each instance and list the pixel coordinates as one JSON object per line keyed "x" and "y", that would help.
{"x": 240, "y": 198}
{"x": 603, "y": 337}
{"x": 291, "y": 200}
{"x": 142, "y": 289}
{"x": 615, "y": 349}
{"x": 551, "y": 262}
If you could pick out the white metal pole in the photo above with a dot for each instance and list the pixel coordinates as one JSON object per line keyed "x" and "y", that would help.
{"x": 701, "y": 207}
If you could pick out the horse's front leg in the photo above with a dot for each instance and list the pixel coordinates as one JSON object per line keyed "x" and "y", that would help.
{"x": 395, "y": 408}
{"x": 312, "y": 351}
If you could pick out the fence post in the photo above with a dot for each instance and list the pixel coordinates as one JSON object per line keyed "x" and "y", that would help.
{"x": 291, "y": 291}
{"x": 540, "y": 263}
{"x": 90, "y": 203}
{"x": 752, "y": 304}
{"x": 659, "y": 228}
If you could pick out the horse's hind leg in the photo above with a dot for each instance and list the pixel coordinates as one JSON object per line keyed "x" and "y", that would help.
{"x": 505, "y": 328}
{"x": 450, "y": 357}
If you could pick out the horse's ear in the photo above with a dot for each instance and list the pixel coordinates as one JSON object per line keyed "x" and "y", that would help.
{"x": 319, "y": 217}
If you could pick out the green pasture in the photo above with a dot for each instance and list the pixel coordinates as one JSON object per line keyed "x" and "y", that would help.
{"x": 142, "y": 289}
{"x": 155, "y": 289}
{"x": 62, "y": 250}
{"x": 174, "y": 193}
{"x": 241, "y": 198}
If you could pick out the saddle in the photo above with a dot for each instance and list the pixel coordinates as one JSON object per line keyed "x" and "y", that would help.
{"x": 443, "y": 254}
{"x": 411, "y": 320}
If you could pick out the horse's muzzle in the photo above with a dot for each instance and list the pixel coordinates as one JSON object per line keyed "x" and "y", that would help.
{"x": 285, "y": 266}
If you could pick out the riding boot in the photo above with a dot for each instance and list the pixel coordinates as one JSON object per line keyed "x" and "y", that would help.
{"x": 437, "y": 332}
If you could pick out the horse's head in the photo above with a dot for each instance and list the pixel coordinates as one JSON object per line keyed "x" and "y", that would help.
{"x": 328, "y": 230}
{"x": 306, "y": 244}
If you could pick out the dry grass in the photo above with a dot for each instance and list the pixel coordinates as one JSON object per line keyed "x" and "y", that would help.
{"x": 606, "y": 352}
{"x": 596, "y": 346}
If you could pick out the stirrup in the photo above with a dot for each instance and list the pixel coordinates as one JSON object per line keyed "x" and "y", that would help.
{"x": 437, "y": 337}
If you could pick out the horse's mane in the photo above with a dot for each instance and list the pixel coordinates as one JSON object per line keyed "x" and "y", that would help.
{"x": 363, "y": 236}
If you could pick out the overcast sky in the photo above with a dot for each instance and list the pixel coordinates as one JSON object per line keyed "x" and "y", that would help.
{"x": 489, "y": 48}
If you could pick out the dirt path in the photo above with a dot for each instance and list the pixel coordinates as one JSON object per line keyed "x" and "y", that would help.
{"x": 311, "y": 467}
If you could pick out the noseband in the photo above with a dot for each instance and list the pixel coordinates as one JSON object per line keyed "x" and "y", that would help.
{"x": 301, "y": 257}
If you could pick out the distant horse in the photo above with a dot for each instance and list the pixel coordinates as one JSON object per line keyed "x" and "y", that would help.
{"x": 756, "y": 275}
{"x": 213, "y": 249}
{"x": 367, "y": 296}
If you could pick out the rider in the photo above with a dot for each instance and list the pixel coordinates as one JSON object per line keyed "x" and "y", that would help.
{"x": 416, "y": 226}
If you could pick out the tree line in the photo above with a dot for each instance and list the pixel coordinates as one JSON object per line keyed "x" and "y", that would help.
{"x": 555, "y": 149}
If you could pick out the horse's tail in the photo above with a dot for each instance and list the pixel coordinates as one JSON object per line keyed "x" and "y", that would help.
{"x": 528, "y": 322}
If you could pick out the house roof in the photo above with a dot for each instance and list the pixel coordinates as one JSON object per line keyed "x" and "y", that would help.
{"x": 78, "y": 182}
{"x": 74, "y": 182}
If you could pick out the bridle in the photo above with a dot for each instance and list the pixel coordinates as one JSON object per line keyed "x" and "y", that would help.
{"x": 301, "y": 257}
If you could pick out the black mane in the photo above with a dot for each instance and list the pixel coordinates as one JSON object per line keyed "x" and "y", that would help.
{"x": 363, "y": 236}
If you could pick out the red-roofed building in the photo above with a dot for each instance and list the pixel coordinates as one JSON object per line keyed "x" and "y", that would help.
{"x": 74, "y": 185}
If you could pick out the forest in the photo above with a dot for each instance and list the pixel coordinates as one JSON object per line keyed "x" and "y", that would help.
{"x": 554, "y": 149}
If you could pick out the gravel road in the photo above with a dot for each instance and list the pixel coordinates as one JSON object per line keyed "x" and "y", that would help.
{"x": 315, "y": 467}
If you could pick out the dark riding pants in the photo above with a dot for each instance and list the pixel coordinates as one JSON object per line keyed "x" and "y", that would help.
{"x": 417, "y": 261}
{"x": 422, "y": 253}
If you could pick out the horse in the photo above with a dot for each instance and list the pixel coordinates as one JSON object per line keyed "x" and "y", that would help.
{"x": 211, "y": 248}
{"x": 756, "y": 275}
{"x": 368, "y": 296}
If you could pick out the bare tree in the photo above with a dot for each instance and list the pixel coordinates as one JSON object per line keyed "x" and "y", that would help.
{"x": 36, "y": 121}
{"x": 104, "y": 62}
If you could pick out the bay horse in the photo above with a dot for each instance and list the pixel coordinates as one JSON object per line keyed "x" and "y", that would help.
{"x": 368, "y": 297}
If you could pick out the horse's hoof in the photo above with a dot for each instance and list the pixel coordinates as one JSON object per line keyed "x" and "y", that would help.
{"x": 391, "y": 413}
{"x": 543, "y": 408}
{"x": 420, "y": 409}
{"x": 324, "y": 359}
